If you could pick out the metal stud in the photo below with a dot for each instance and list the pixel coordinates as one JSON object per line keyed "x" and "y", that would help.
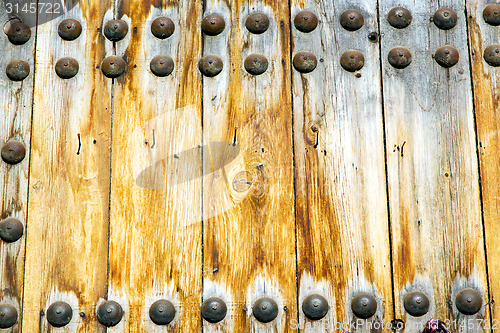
{"x": 162, "y": 27}
{"x": 17, "y": 70}
{"x": 352, "y": 60}
{"x": 59, "y": 314}
{"x": 113, "y": 66}
{"x": 67, "y": 67}
{"x": 305, "y": 62}
{"x": 115, "y": 30}
{"x": 18, "y": 32}
{"x": 416, "y": 303}
{"x": 11, "y": 230}
{"x": 213, "y": 310}
{"x": 364, "y": 306}
{"x": 315, "y": 307}
{"x": 491, "y": 14}
{"x": 8, "y": 316}
{"x": 492, "y": 55}
{"x": 109, "y": 313}
{"x": 352, "y": 20}
{"x": 162, "y": 65}
{"x": 257, "y": 23}
{"x": 256, "y": 64}
{"x": 399, "y": 17}
{"x": 210, "y": 65}
{"x": 162, "y": 312}
{"x": 399, "y": 57}
{"x": 447, "y": 56}
{"x": 213, "y": 24}
{"x": 306, "y": 21}
{"x": 265, "y": 310}
{"x": 468, "y": 301}
{"x": 69, "y": 29}
{"x": 13, "y": 152}
{"x": 445, "y": 18}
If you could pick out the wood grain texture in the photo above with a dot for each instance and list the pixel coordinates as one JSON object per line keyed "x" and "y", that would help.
{"x": 342, "y": 222}
{"x": 67, "y": 244}
{"x": 432, "y": 169}
{"x": 248, "y": 203}
{"x": 155, "y": 237}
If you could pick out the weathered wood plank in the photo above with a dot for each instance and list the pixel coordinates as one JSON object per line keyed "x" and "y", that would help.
{"x": 66, "y": 251}
{"x": 342, "y": 221}
{"x": 432, "y": 169}
{"x": 155, "y": 237}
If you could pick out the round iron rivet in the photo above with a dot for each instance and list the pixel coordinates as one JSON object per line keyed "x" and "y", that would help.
{"x": 491, "y": 14}
{"x": 115, "y": 30}
{"x": 352, "y": 60}
{"x": 265, "y": 310}
{"x": 59, "y": 314}
{"x": 306, "y": 21}
{"x": 13, "y": 152}
{"x": 445, "y": 18}
{"x": 492, "y": 55}
{"x": 213, "y": 310}
{"x": 315, "y": 307}
{"x": 305, "y": 62}
{"x": 213, "y": 24}
{"x": 364, "y": 306}
{"x": 109, "y": 313}
{"x": 399, "y": 17}
{"x": 468, "y": 301}
{"x": 256, "y": 64}
{"x": 162, "y": 27}
{"x": 17, "y": 70}
{"x": 257, "y": 23}
{"x": 69, "y": 29}
{"x": 352, "y": 20}
{"x": 113, "y": 66}
{"x": 11, "y": 230}
{"x": 162, "y": 65}
{"x": 447, "y": 56}
{"x": 18, "y": 32}
{"x": 8, "y": 316}
{"x": 210, "y": 65}
{"x": 399, "y": 57}
{"x": 67, "y": 67}
{"x": 162, "y": 312}
{"x": 416, "y": 303}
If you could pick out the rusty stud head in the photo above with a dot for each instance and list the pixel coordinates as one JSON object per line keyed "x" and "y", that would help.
{"x": 416, "y": 303}
{"x": 115, "y": 30}
{"x": 256, "y": 64}
{"x": 162, "y": 312}
{"x": 305, "y": 62}
{"x": 13, "y": 152}
{"x": 162, "y": 65}
{"x": 113, "y": 66}
{"x": 213, "y": 24}
{"x": 265, "y": 310}
{"x": 257, "y": 23}
{"x": 491, "y": 14}
{"x": 399, "y": 17}
{"x": 59, "y": 314}
{"x": 17, "y": 70}
{"x": 352, "y": 20}
{"x": 445, "y": 18}
{"x": 468, "y": 301}
{"x": 364, "y": 306}
{"x": 315, "y": 307}
{"x": 11, "y": 230}
{"x": 69, "y": 29}
{"x": 109, "y": 313}
{"x": 213, "y": 310}
{"x": 492, "y": 55}
{"x": 18, "y": 32}
{"x": 162, "y": 27}
{"x": 447, "y": 56}
{"x": 306, "y": 21}
{"x": 352, "y": 60}
{"x": 67, "y": 67}
{"x": 399, "y": 57}
{"x": 210, "y": 65}
{"x": 8, "y": 316}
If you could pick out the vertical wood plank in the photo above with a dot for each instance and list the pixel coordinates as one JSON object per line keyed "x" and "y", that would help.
{"x": 432, "y": 169}
{"x": 155, "y": 237}
{"x": 342, "y": 221}
{"x": 66, "y": 252}
{"x": 248, "y": 202}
